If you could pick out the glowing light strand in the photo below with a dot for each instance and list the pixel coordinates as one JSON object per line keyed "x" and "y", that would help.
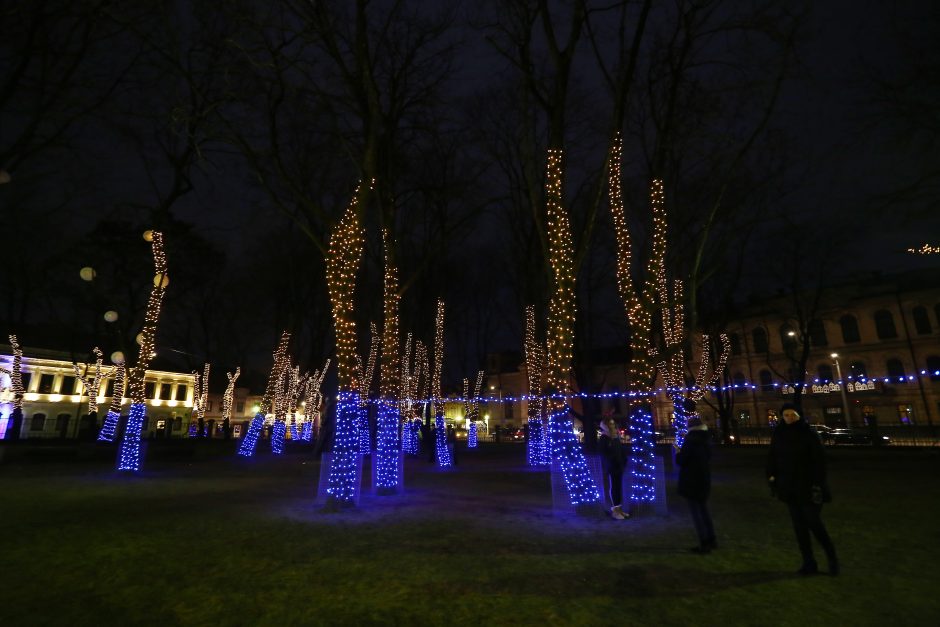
{"x": 92, "y": 384}
{"x": 444, "y": 459}
{"x": 560, "y": 338}
{"x": 200, "y": 401}
{"x": 281, "y": 361}
{"x": 113, "y": 417}
{"x": 342, "y": 262}
{"x": 129, "y": 458}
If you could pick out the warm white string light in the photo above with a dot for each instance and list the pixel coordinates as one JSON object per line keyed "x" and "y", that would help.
{"x": 92, "y": 384}
{"x": 16, "y": 374}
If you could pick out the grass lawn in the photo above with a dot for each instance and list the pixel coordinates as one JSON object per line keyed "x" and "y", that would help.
{"x": 224, "y": 541}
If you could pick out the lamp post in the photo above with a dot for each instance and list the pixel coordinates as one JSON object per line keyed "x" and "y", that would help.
{"x": 845, "y": 398}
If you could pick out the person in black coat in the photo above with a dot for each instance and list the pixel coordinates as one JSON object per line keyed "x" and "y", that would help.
{"x": 695, "y": 481}
{"x": 796, "y": 473}
{"x": 613, "y": 461}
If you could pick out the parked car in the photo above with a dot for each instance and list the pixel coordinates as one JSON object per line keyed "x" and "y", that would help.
{"x": 854, "y": 438}
{"x": 824, "y": 433}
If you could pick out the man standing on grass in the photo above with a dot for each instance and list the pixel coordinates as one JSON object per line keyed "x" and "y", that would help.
{"x": 796, "y": 473}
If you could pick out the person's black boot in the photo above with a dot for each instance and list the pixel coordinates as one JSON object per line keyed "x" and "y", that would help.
{"x": 834, "y": 569}
{"x": 808, "y": 568}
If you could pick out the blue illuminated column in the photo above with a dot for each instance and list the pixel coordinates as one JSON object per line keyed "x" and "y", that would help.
{"x": 534, "y": 445}
{"x": 307, "y": 431}
{"x": 277, "y": 437}
{"x": 129, "y": 455}
{"x": 546, "y": 448}
{"x": 247, "y": 447}
{"x": 443, "y": 453}
{"x": 472, "y": 435}
{"x": 344, "y": 467}
{"x": 365, "y": 440}
{"x": 109, "y": 428}
{"x": 642, "y": 455}
{"x": 387, "y": 450}
{"x": 293, "y": 429}
{"x": 681, "y": 420}
{"x": 582, "y": 491}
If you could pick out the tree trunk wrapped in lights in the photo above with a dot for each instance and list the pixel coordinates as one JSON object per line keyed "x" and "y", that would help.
{"x": 313, "y": 401}
{"x": 387, "y": 441}
{"x": 129, "y": 454}
{"x": 281, "y": 362}
{"x": 566, "y": 449}
{"x": 538, "y": 438}
{"x": 342, "y": 263}
{"x": 113, "y": 417}
{"x": 92, "y": 384}
{"x": 642, "y": 374}
{"x": 444, "y": 459}
{"x": 16, "y": 387}
{"x": 365, "y": 391}
{"x": 200, "y": 402}
{"x": 472, "y": 408}
{"x": 227, "y": 400}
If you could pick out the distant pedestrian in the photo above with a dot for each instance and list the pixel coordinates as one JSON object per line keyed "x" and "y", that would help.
{"x": 796, "y": 473}
{"x": 695, "y": 481}
{"x": 613, "y": 461}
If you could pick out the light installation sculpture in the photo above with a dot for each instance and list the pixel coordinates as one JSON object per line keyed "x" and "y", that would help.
{"x": 582, "y": 491}
{"x": 129, "y": 453}
{"x": 342, "y": 262}
{"x": 281, "y": 362}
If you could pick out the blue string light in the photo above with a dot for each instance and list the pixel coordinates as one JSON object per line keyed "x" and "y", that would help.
{"x": 277, "y": 437}
{"x": 129, "y": 452}
{"x": 409, "y": 436}
{"x": 472, "y": 435}
{"x": 365, "y": 439}
{"x": 109, "y": 428}
{"x": 443, "y": 453}
{"x": 247, "y": 447}
{"x": 192, "y": 429}
{"x": 293, "y": 430}
{"x": 534, "y": 445}
{"x": 567, "y": 450}
{"x": 387, "y": 450}
{"x": 344, "y": 467}
{"x": 306, "y": 433}
{"x": 642, "y": 452}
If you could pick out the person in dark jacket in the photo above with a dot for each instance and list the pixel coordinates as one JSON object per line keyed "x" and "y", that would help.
{"x": 796, "y": 473}
{"x": 613, "y": 461}
{"x": 695, "y": 481}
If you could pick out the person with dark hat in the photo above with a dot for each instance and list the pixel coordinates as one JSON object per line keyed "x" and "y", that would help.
{"x": 796, "y": 474}
{"x": 694, "y": 460}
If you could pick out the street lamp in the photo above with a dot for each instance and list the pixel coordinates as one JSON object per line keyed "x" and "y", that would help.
{"x": 845, "y": 399}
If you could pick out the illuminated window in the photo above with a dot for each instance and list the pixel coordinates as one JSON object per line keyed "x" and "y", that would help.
{"x": 884, "y": 325}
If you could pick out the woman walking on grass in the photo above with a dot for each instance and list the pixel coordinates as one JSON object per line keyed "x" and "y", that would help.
{"x": 796, "y": 473}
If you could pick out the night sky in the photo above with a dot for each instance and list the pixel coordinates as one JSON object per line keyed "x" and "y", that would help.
{"x": 845, "y": 172}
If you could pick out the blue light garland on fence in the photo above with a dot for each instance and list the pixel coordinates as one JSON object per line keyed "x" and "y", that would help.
{"x": 472, "y": 435}
{"x": 534, "y": 444}
{"x": 277, "y": 437}
{"x": 129, "y": 453}
{"x": 344, "y": 467}
{"x": 387, "y": 450}
{"x": 247, "y": 447}
{"x": 443, "y": 453}
{"x": 567, "y": 450}
{"x": 109, "y": 428}
{"x": 642, "y": 458}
